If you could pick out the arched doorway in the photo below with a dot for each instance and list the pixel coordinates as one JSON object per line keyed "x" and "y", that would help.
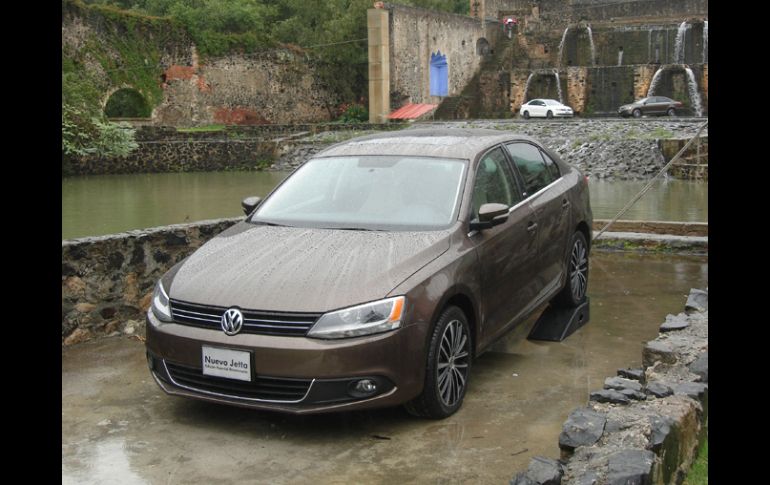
{"x": 127, "y": 103}
{"x": 439, "y": 75}
{"x": 482, "y": 47}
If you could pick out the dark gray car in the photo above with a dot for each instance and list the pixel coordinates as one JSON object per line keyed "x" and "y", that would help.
{"x": 651, "y": 105}
{"x": 374, "y": 274}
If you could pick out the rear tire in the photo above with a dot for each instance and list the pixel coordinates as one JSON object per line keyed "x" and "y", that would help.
{"x": 525, "y": 115}
{"x": 549, "y": 115}
{"x": 637, "y": 113}
{"x": 574, "y": 291}
{"x": 447, "y": 367}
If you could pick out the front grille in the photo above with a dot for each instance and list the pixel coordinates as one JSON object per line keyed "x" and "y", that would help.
{"x": 261, "y": 388}
{"x": 254, "y": 321}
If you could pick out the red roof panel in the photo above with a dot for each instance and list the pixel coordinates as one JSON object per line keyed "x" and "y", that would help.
{"x": 411, "y": 111}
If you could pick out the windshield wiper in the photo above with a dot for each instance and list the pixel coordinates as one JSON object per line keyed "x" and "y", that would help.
{"x": 274, "y": 224}
{"x": 353, "y": 229}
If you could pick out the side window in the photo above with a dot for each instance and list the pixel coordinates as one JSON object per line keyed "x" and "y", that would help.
{"x": 531, "y": 166}
{"x": 553, "y": 169}
{"x": 494, "y": 182}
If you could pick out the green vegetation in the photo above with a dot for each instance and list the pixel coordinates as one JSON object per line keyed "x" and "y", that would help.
{"x": 86, "y": 135}
{"x": 127, "y": 103}
{"x": 354, "y": 113}
{"x": 699, "y": 473}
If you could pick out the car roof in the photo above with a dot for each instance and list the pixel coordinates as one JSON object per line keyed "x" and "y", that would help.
{"x": 429, "y": 142}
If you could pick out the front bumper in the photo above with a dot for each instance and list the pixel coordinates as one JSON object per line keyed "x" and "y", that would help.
{"x": 327, "y": 368}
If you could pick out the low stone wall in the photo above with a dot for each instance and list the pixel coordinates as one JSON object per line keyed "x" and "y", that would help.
{"x": 108, "y": 280}
{"x": 646, "y": 425}
{"x": 165, "y": 149}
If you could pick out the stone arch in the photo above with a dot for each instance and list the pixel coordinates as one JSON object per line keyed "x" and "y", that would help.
{"x": 679, "y": 82}
{"x": 482, "y": 47}
{"x": 544, "y": 83}
{"x": 126, "y": 102}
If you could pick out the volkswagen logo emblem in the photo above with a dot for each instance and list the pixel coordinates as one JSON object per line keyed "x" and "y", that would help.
{"x": 232, "y": 321}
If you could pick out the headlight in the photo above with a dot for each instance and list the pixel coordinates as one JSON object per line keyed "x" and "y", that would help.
{"x": 160, "y": 306}
{"x": 376, "y": 317}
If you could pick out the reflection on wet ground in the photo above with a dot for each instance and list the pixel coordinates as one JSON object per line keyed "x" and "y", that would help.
{"x": 118, "y": 426}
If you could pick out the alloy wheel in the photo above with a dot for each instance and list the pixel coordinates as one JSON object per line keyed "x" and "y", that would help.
{"x": 578, "y": 270}
{"x": 453, "y": 363}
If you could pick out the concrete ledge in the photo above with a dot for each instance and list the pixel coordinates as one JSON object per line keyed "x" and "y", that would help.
{"x": 635, "y": 241}
{"x": 650, "y": 437}
{"x": 656, "y": 227}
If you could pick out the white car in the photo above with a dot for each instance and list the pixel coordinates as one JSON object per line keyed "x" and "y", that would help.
{"x": 545, "y": 108}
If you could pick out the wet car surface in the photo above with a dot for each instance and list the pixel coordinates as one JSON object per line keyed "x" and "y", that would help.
{"x": 374, "y": 274}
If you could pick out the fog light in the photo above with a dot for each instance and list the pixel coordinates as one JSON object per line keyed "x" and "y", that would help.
{"x": 362, "y": 388}
{"x": 366, "y": 386}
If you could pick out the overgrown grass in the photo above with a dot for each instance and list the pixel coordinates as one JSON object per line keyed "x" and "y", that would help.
{"x": 699, "y": 474}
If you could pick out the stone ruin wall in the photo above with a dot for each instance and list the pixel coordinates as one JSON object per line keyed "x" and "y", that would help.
{"x": 263, "y": 88}
{"x": 275, "y": 86}
{"x": 417, "y": 33}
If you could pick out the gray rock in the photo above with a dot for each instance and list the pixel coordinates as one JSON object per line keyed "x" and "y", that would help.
{"x": 582, "y": 428}
{"x": 695, "y": 390}
{"x": 701, "y": 367}
{"x": 633, "y": 394}
{"x": 660, "y": 427}
{"x": 674, "y": 322}
{"x": 545, "y": 471}
{"x": 521, "y": 478}
{"x": 658, "y": 389}
{"x": 635, "y": 374}
{"x": 697, "y": 301}
{"x": 587, "y": 478}
{"x": 656, "y": 350}
{"x": 619, "y": 383}
{"x": 610, "y": 396}
{"x": 630, "y": 467}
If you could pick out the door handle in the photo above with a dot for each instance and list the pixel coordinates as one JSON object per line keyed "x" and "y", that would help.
{"x": 532, "y": 226}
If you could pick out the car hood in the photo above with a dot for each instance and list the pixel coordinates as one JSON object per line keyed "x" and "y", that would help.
{"x": 275, "y": 268}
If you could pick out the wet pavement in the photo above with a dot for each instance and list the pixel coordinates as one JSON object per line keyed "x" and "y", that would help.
{"x": 119, "y": 427}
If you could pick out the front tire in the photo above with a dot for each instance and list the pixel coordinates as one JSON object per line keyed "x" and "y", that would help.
{"x": 574, "y": 291}
{"x": 525, "y": 115}
{"x": 637, "y": 113}
{"x": 549, "y": 115}
{"x": 447, "y": 368}
{"x": 671, "y": 112}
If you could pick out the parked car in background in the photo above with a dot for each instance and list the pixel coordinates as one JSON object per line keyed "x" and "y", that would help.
{"x": 374, "y": 275}
{"x": 651, "y": 105}
{"x": 545, "y": 108}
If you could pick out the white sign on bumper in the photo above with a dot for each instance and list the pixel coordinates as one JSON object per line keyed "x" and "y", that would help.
{"x": 232, "y": 364}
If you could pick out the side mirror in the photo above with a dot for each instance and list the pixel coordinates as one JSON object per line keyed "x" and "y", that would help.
{"x": 490, "y": 215}
{"x": 250, "y": 203}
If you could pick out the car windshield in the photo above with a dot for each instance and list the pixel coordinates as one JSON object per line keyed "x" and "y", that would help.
{"x": 368, "y": 193}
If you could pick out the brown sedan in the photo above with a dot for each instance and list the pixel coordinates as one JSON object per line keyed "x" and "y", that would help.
{"x": 374, "y": 274}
